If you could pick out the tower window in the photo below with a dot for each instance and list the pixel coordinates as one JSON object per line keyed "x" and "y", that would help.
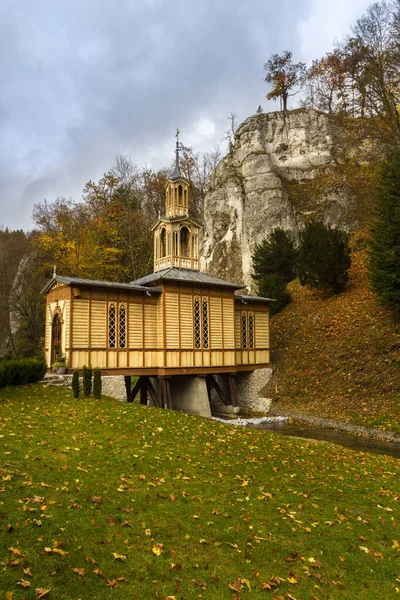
{"x": 185, "y": 240}
{"x": 176, "y": 245}
{"x": 162, "y": 243}
{"x": 180, "y": 191}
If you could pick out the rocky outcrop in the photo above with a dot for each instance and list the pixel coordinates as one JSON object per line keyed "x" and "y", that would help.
{"x": 280, "y": 171}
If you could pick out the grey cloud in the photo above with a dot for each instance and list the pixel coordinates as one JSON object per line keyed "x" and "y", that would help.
{"x": 84, "y": 81}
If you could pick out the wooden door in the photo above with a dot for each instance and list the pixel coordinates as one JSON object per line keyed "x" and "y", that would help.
{"x": 56, "y": 350}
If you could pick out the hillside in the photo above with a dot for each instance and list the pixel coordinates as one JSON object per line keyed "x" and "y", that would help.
{"x": 338, "y": 357}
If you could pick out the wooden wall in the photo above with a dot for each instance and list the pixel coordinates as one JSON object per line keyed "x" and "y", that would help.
{"x": 160, "y": 331}
{"x": 260, "y": 352}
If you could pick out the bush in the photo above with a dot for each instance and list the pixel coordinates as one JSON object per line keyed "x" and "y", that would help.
{"x": 75, "y": 383}
{"x": 87, "y": 380}
{"x": 274, "y": 286}
{"x": 384, "y": 264}
{"x": 274, "y": 265}
{"x": 20, "y": 371}
{"x": 324, "y": 258}
{"x": 97, "y": 383}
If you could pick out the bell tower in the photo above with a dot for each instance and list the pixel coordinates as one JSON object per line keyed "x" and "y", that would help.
{"x": 176, "y": 235}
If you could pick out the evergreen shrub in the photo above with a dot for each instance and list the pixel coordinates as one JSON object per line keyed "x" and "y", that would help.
{"x": 274, "y": 266}
{"x": 324, "y": 258}
{"x": 97, "y": 383}
{"x": 87, "y": 380}
{"x": 20, "y": 371}
{"x": 75, "y": 383}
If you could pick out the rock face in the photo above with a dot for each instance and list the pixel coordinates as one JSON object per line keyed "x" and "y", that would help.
{"x": 262, "y": 184}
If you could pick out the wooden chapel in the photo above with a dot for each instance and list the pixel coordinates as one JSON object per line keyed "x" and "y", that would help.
{"x": 175, "y": 329}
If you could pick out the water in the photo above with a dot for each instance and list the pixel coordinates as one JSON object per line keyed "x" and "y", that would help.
{"x": 333, "y": 436}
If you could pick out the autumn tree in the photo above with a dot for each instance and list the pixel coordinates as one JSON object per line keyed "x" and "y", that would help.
{"x": 324, "y": 257}
{"x": 284, "y": 76}
{"x": 325, "y": 85}
{"x": 384, "y": 263}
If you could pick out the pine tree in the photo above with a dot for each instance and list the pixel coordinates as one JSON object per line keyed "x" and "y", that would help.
{"x": 384, "y": 264}
{"x": 324, "y": 258}
{"x": 97, "y": 383}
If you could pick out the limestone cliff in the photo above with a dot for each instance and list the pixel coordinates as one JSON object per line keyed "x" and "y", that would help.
{"x": 280, "y": 171}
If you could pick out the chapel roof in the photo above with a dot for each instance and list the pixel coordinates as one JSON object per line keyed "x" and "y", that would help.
{"x": 98, "y": 283}
{"x": 185, "y": 276}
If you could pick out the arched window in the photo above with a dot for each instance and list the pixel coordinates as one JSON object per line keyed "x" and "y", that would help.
{"x": 185, "y": 240}
{"x": 162, "y": 242}
{"x": 205, "y": 323}
{"x": 112, "y": 326}
{"x": 251, "y": 330}
{"x": 197, "y": 326}
{"x": 122, "y": 327}
{"x": 244, "y": 330}
{"x": 180, "y": 192}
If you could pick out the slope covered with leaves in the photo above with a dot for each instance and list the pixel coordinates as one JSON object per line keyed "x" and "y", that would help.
{"x": 104, "y": 500}
{"x": 338, "y": 357}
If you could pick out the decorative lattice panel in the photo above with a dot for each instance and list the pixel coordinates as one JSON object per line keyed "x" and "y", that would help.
{"x": 112, "y": 326}
{"x": 197, "y": 327}
{"x": 251, "y": 330}
{"x": 244, "y": 330}
{"x": 122, "y": 326}
{"x": 205, "y": 322}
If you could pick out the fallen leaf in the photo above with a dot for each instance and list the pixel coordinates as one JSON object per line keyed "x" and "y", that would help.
{"x": 24, "y": 583}
{"x": 79, "y": 571}
{"x": 157, "y": 549}
{"x": 40, "y": 592}
{"x": 119, "y": 556}
{"x": 113, "y": 583}
{"x": 15, "y": 552}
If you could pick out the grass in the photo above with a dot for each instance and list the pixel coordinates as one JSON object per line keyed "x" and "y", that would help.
{"x": 100, "y": 499}
{"x": 338, "y": 357}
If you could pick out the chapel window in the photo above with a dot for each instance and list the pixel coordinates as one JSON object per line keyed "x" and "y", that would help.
{"x": 122, "y": 326}
{"x": 244, "y": 330}
{"x": 205, "y": 323}
{"x": 251, "y": 330}
{"x": 197, "y": 326}
{"x": 112, "y": 326}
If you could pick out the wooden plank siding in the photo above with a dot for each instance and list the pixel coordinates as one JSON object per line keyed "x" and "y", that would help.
{"x": 159, "y": 330}
{"x": 260, "y": 353}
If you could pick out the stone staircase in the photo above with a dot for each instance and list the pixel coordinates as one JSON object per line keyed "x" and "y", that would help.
{"x": 52, "y": 379}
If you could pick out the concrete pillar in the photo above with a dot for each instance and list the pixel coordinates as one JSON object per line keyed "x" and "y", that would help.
{"x": 189, "y": 394}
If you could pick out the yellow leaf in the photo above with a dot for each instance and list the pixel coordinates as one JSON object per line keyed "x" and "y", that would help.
{"x": 157, "y": 549}
{"x": 364, "y": 549}
{"x": 15, "y": 551}
{"x": 395, "y": 544}
{"x": 147, "y": 532}
{"x": 24, "y": 583}
{"x": 119, "y": 556}
{"x": 292, "y": 580}
{"x": 40, "y": 592}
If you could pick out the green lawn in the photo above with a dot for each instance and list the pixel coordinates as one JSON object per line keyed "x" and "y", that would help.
{"x": 100, "y": 499}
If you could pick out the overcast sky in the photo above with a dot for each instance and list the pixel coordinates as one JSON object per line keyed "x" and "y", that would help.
{"x": 85, "y": 80}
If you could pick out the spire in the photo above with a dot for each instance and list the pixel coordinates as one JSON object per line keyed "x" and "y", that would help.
{"x": 176, "y": 173}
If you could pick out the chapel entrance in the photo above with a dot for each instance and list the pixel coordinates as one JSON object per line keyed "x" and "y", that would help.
{"x": 56, "y": 338}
